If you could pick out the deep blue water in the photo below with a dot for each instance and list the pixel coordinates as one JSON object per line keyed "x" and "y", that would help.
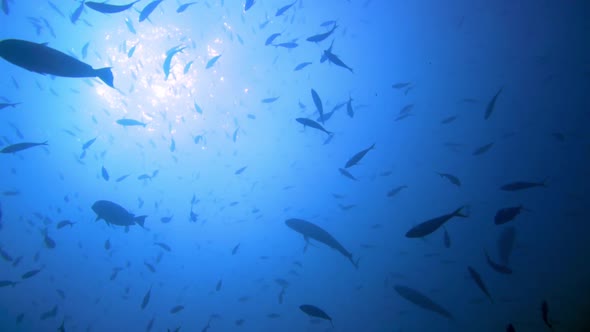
{"x": 423, "y": 75}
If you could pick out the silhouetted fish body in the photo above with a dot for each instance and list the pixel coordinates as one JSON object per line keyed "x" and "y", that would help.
{"x": 105, "y": 8}
{"x": 314, "y": 311}
{"x": 115, "y": 214}
{"x": 421, "y": 300}
{"x": 432, "y": 225}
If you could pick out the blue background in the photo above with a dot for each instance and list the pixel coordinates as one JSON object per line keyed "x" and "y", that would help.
{"x": 455, "y": 55}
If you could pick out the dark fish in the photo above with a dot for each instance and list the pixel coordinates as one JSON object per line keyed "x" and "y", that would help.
{"x": 283, "y": 9}
{"x": 447, "y": 239}
{"x": 218, "y": 286}
{"x": 121, "y": 178}
{"x": 163, "y": 246}
{"x": 249, "y": 4}
{"x": 132, "y": 51}
{"x": 358, "y": 156}
{"x": 168, "y": 61}
{"x": 269, "y": 100}
{"x": 421, "y": 300}
{"x": 322, "y": 36}
{"x": 497, "y": 267}
{"x": 400, "y": 85}
{"x": 312, "y": 231}
{"x": 6, "y": 256}
{"x": 5, "y": 8}
{"x": 490, "y": 107}
{"x": 271, "y": 38}
{"x": 166, "y": 220}
{"x": 62, "y": 328}
{"x": 477, "y": 278}
{"x": 5, "y": 283}
{"x": 129, "y": 25}
{"x": 146, "y": 299}
{"x": 545, "y": 315}
{"x": 301, "y": 66}
{"x": 5, "y": 105}
{"x": 20, "y": 147}
{"x": 235, "y": 249}
{"x": 105, "y": 174}
{"x": 76, "y": 14}
{"x": 454, "y": 180}
{"x": 483, "y": 149}
{"x": 314, "y": 311}
{"x": 396, "y": 190}
{"x": 347, "y": 174}
{"x": 510, "y": 328}
{"x": 449, "y": 119}
{"x": 429, "y": 226}
{"x": 150, "y": 267}
{"x": 212, "y": 61}
{"x": 184, "y": 7}
{"x": 40, "y": 58}
{"x": 287, "y": 45}
{"x": 349, "y": 109}
{"x": 30, "y": 274}
{"x": 107, "y": 245}
{"x": 49, "y": 242}
{"x": 522, "y": 185}
{"x": 147, "y": 10}
{"x": 172, "y": 145}
{"x": 241, "y": 170}
{"x": 310, "y": 123}
{"x": 507, "y": 214}
{"x": 333, "y": 58}
{"x": 187, "y": 67}
{"x": 49, "y": 314}
{"x": 130, "y": 122}
{"x": 88, "y": 144}
{"x": 114, "y": 214}
{"x": 505, "y": 242}
{"x": 176, "y": 309}
{"x": 105, "y": 8}
{"x": 20, "y": 317}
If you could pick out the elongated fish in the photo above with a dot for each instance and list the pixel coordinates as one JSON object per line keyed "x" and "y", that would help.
{"x": 522, "y": 185}
{"x": 146, "y": 299}
{"x": 40, "y": 58}
{"x": 333, "y": 58}
{"x": 347, "y": 174}
{"x": 429, "y": 226}
{"x": 318, "y": 104}
{"x": 212, "y": 61}
{"x": 184, "y": 7}
{"x": 312, "y": 231}
{"x": 167, "y": 62}
{"x": 454, "y": 180}
{"x": 497, "y": 267}
{"x": 301, "y": 66}
{"x": 271, "y": 38}
{"x": 76, "y": 14}
{"x": 314, "y": 311}
{"x": 483, "y": 149}
{"x": 114, "y": 214}
{"x": 5, "y": 105}
{"x": 507, "y": 214}
{"x": 20, "y": 147}
{"x": 147, "y": 10}
{"x": 322, "y": 36}
{"x": 491, "y": 104}
{"x": 283, "y": 9}
{"x": 421, "y": 300}
{"x": 249, "y": 4}
{"x": 130, "y": 122}
{"x": 105, "y": 8}
{"x": 358, "y": 156}
{"x": 310, "y": 123}
{"x": 477, "y": 279}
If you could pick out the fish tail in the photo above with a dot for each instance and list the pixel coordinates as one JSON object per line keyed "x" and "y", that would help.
{"x": 355, "y": 263}
{"x": 140, "y": 220}
{"x": 106, "y": 75}
{"x": 459, "y": 213}
{"x": 45, "y": 143}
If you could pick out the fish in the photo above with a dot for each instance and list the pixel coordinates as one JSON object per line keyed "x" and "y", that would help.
{"x": 76, "y": 14}
{"x": 30, "y": 274}
{"x": 172, "y": 145}
{"x": 358, "y": 156}
{"x": 167, "y": 62}
{"x": 48, "y": 241}
{"x": 150, "y": 267}
{"x": 454, "y": 180}
{"x": 62, "y": 328}
{"x": 0, "y": 215}
{"x": 185, "y": 6}
{"x": 249, "y": 4}
{"x": 483, "y": 149}
{"x": 505, "y": 244}
{"x": 129, "y": 25}
{"x": 241, "y": 170}
{"x": 5, "y": 283}
{"x": 431, "y": 225}
{"x": 105, "y": 8}
{"x": 477, "y": 278}
{"x": 49, "y": 314}
{"x": 163, "y": 246}
{"x": 333, "y": 58}
{"x": 349, "y": 109}
{"x": 107, "y": 245}
{"x": 187, "y": 67}
{"x": 20, "y": 147}
{"x": 312, "y": 231}
{"x": 447, "y": 239}
{"x": 235, "y": 135}
{"x": 400, "y": 85}
{"x": 396, "y": 190}
{"x": 132, "y": 50}
{"x": 422, "y": 300}
{"x": 495, "y": 266}
{"x": 545, "y": 315}
{"x": 130, "y": 122}
{"x": 283, "y": 9}
{"x": 146, "y": 299}
{"x": 176, "y": 309}
{"x": 269, "y": 100}
{"x": 347, "y": 174}
{"x": 301, "y": 66}
{"x": 510, "y": 328}
{"x": 287, "y": 45}
{"x": 218, "y": 286}
{"x": 314, "y": 311}
{"x": 491, "y": 104}
{"x": 212, "y": 61}
{"x": 114, "y": 214}
{"x": 40, "y": 58}
{"x": 5, "y": 7}
{"x": 271, "y": 38}
{"x": 105, "y": 174}
{"x": 147, "y": 10}
{"x": 6, "y": 256}
{"x": 507, "y": 214}
{"x": 166, "y": 220}
{"x": 198, "y": 109}
{"x": 85, "y": 50}
{"x": 322, "y": 36}
{"x": 6, "y": 105}
{"x": 318, "y": 104}
{"x": 310, "y": 123}
{"x": 448, "y": 119}
{"x": 88, "y": 143}
{"x": 235, "y": 249}
{"x": 121, "y": 178}
{"x": 522, "y": 185}
{"x": 56, "y": 9}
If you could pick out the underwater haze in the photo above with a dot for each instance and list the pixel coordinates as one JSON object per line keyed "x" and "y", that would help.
{"x": 294, "y": 165}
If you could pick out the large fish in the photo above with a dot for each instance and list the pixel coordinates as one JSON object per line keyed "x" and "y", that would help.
{"x": 429, "y": 226}
{"x": 320, "y": 37}
{"x": 314, "y": 311}
{"x": 421, "y": 300}
{"x": 20, "y": 146}
{"x": 105, "y": 8}
{"x": 310, "y": 123}
{"x": 358, "y": 156}
{"x": 40, "y": 58}
{"x": 318, "y": 104}
{"x": 114, "y": 214}
{"x": 312, "y": 231}
{"x": 507, "y": 214}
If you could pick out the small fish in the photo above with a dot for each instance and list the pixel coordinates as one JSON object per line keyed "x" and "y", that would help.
{"x": 6, "y": 105}
{"x": 85, "y": 50}
{"x": 448, "y": 119}
{"x": 358, "y": 156}
{"x": 168, "y": 61}
{"x": 333, "y": 58}
{"x": 146, "y": 299}
{"x": 510, "y": 328}
{"x": 283, "y": 9}
{"x": 30, "y": 274}
{"x": 447, "y": 239}
{"x": 6, "y": 256}
{"x": 421, "y": 300}
{"x": 545, "y": 315}
{"x": 429, "y": 226}
{"x": 20, "y": 147}
{"x": 482, "y": 149}
{"x": 508, "y": 214}
{"x": 497, "y": 267}
{"x": 249, "y": 4}
{"x": 49, "y": 314}
{"x": 314, "y": 311}
{"x": 105, "y": 174}
{"x": 163, "y": 246}
{"x": 218, "y": 286}
{"x": 176, "y": 309}
{"x": 166, "y": 220}
{"x": 184, "y": 7}
{"x": 49, "y": 242}
{"x": 121, "y": 178}
{"x": 522, "y": 185}
{"x": 271, "y": 38}
{"x": 396, "y": 190}
{"x": 288, "y": 45}
{"x": 235, "y": 249}
{"x": 132, "y": 50}
{"x": 491, "y": 104}
{"x": 200, "y": 111}
{"x": 172, "y": 145}
{"x": 130, "y": 122}
{"x": 150, "y": 267}
{"x": 301, "y": 66}
{"x": 322, "y": 36}
{"x": 76, "y": 14}
{"x": 147, "y": 10}
{"x": 400, "y": 85}
{"x": 107, "y": 245}
{"x": 88, "y": 143}
{"x": 477, "y": 278}
{"x": 310, "y": 123}
{"x": 241, "y": 170}
{"x": 212, "y": 61}
{"x": 454, "y": 180}
{"x": 269, "y": 100}
{"x": 347, "y": 174}
{"x": 349, "y": 109}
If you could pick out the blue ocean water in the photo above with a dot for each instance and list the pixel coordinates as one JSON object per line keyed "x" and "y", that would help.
{"x": 474, "y": 107}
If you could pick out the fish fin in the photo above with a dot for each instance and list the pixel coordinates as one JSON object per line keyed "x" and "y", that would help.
{"x": 105, "y": 75}
{"x": 459, "y": 212}
{"x": 355, "y": 263}
{"x": 140, "y": 220}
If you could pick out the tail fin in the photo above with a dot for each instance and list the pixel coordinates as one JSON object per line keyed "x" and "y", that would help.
{"x": 106, "y": 75}
{"x": 355, "y": 263}
{"x": 140, "y": 220}
{"x": 459, "y": 212}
